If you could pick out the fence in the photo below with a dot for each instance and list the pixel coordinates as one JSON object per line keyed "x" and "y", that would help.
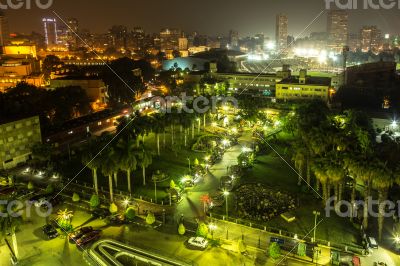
{"x": 283, "y": 233}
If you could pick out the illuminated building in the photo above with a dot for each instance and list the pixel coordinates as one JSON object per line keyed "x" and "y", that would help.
{"x": 16, "y": 141}
{"x": 233, "y": 39}
{"x": 337, "y": 28}
{"x": 50, "y": 32}
{"x": 183, "y": 44}
{"x": 169, "y": 39}
{"x": 370, "y": 39}
{"x": 72, "y": 31}
{"x": 95, "y": 89}
{"x": 303, "y": 87}
{"x": 281, "y": 32}
{"x": 4, "y": 33}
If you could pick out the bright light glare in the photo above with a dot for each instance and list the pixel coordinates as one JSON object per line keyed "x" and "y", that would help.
{"x": 246, "y": 149}
{"x": 226, "y": 193}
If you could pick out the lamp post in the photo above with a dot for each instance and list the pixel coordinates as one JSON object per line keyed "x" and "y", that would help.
{"x": 316, "y": 214}
{"x": 226, "y": 194}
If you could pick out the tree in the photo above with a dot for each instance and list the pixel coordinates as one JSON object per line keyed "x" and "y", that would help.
{"x": 145, "y": 159}
{"x": 172, "y": 184}
{"x": 75, "y": 197}
{"x": 125, "y": 152}
{"x": 109, "y": 168}
{"x": 91, "y": 159}
{"x": 9, "y": 224}
{"x": 130, "y": 214}
{"x": 382, "y": 181}
{"x": 64, "y": 219}
{"x": 150, "y": 219}
{"x": 94, "y": 201}
{"x": 202, "y": 230}
{"x": 274, "y": 250}
{"x": 181, "y": 229}
{"x": 113, "y": 208}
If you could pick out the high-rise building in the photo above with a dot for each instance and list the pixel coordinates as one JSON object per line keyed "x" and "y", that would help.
{"x": 337, "y": 28}
{"x": 72, "y": 31}
{"x": 50, "y": 32}
{"x": 183, "y": 43}
{"x": 4, "y": 34}
{"x": 281, "y": 32}
{"x": 370, "y": 39}
{"x": 169, "y": 39}
{"x": 233, "y": 38}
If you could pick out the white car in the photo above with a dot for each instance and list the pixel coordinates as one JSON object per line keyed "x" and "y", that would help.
{"x": 199, "y": 242}
{"x": 40, "y": 202}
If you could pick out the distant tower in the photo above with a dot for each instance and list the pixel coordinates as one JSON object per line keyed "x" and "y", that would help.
{"x": 233, "y": 38}
{"x": 50, "y": 31}
{"x": 281, "y": 32}
{"x": 4, "y": 33}
{"x": 370, "y": 39}
{"x": 338, "y": 29}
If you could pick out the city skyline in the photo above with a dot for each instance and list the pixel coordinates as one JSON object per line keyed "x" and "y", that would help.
{"x": 254, "y": 17}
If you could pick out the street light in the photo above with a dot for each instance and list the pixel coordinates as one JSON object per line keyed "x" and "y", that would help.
{"x": 226, "y": 194}
{"x": 126, "y": 202}
{"x": 316, "y": 214}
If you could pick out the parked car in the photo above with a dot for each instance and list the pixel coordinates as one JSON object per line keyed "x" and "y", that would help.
{"x": 79, "y": 233}
{"x": 101, "y": 213}
{"x": 199, "y": 242}
{"x": 116, "y": 219}
{"x": 89, "y": 237}
{"x": 41, "y": 201}
{"x": 6, "y": 191}
{"x": 53, "y": 201}
{"x": 50, "y": 231}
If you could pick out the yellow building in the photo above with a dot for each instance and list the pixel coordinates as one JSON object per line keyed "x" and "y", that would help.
{"x": 16, "y": 141}
{"x": 303, "y": 87}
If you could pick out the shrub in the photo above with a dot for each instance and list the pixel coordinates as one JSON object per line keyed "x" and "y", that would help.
{"x": 150, "y": 219}
{"x": 94, "y": 201}
{"x": 241, "y": 246}
{"x": 181, "y": 229}
{"x": 202, "y": 230}
{"x": 30, "y": 185}
{"x": 172, "y": 184}
{"x": 130, "y": 214}
{"x": 274, "y": 250}
{"x": 49, "y": 189}
{"x": 113, "y": 208}
{"x": 75, "y": 197}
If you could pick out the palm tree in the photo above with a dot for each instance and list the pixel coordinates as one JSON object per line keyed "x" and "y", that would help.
{"x": 382, "y": 181}
{"x": 109, "y": 168}
{"x": 145, "y": 159}
{"x": 9, "y": 225}
{"x": 158, "y": 127}
{"x": 320, "y": 171}
{"x": 90, "y": 158}
{"x": 299, "y": 159}
{"x": 126, "y": 159}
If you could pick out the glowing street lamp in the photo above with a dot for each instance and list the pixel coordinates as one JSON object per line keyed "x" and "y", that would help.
{"x": 126, "y": 202}
{"x": 246, "y": 149}
{"x": 397, "y": 239}
{"x": 225, "y": 143}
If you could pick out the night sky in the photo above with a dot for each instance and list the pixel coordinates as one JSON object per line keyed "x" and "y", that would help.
{"x": 214, "y": 17}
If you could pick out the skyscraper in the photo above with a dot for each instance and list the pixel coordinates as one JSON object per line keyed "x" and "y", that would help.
{"x": 370, "y": 39}
{"x": 72, "y": 31}
{"x": 169, "y": 39}
{"x": 233, "y": 39}
{"x": 281, "y": 32}
{"x": 4, "y": 34}
{"x": 337, "y": 28}
{"x": 50, "y": 32}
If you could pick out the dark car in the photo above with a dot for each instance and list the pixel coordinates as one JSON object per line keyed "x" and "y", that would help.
{"x": 50, "y": 231}
{"x": 116, "y": 219}
{"x": 7, "y": 191}
{"x": 89, "y": 237}
{"x": 101, "y": 213}
{"x": 52, "y": 201}
{"x": 79, "y": 233}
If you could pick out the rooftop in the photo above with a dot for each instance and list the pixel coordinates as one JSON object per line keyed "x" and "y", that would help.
{"x": 323, "y": 81}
